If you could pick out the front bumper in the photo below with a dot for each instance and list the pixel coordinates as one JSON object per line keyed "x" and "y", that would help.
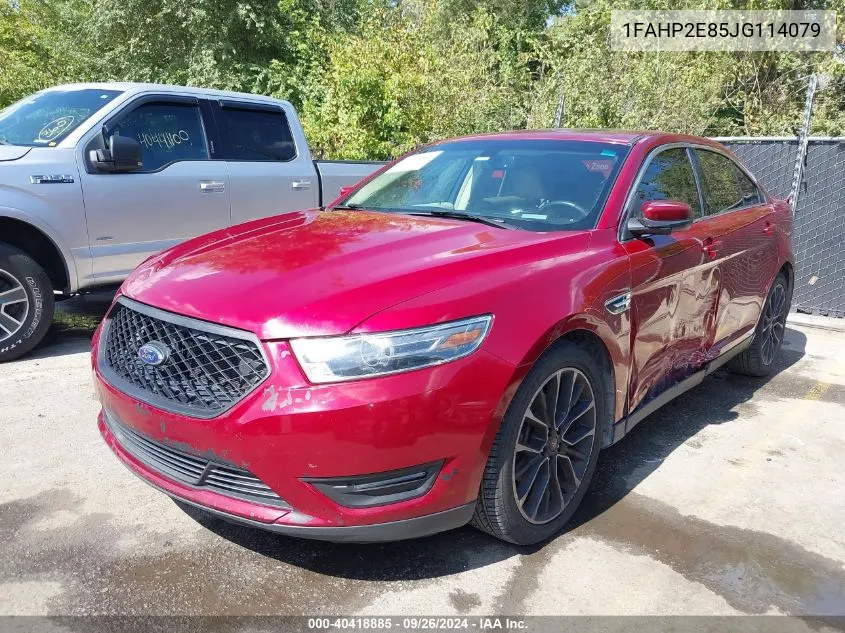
{"x": 247, "y": 514}
{"x": 289, "y": 434}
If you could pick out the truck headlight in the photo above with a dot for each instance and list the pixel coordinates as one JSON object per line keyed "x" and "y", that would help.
{"x": 335, "y": 359}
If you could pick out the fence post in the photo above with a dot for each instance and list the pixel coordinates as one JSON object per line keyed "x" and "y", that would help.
{"x": 559, "y": 112}
{"x": 803, "y": 138}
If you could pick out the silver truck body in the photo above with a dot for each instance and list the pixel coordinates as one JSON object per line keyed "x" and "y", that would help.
{"x": 101, "y": 225}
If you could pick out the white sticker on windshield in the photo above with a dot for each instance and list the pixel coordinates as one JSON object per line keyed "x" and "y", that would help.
{"x": 414, "y": 162}
{"x": 54, "y": 129}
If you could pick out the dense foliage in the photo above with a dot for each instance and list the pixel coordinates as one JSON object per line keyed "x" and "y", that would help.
{"x": 373, "y": 78}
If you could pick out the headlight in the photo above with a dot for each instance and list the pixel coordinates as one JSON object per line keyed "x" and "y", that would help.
{"x": 363, "y": 355}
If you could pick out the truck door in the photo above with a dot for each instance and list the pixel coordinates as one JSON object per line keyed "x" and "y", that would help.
{"x": 178, "y": 193}
{"x": 270, "y": 168}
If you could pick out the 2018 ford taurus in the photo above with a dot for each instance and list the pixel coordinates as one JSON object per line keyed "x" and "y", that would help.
{"x": 453, "y": 341}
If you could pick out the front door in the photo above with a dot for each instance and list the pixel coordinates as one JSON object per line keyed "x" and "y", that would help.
{"x": 674, "y": 284}
{"x": 177, "y": 194}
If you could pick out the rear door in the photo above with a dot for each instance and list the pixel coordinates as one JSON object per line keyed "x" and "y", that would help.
{"x": 268, "y": 173}
{"x": 739, "y": 219}
{"x": 674, "y": 285}
{"x": 178, "y": 193}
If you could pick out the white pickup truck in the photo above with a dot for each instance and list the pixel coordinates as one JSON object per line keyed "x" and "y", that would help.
{"x": 95, "y": 178}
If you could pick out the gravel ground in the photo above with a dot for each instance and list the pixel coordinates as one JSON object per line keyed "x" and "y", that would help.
{"x": 729, "y": 500}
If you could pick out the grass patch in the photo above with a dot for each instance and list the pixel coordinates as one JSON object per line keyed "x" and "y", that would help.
{"x": 77, "y": 322}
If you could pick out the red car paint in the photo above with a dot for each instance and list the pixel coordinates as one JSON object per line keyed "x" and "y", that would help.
{"x": 695, "y": 294}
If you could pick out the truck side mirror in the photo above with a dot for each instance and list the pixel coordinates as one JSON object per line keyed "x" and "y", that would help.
{"x": 123, "y": 155}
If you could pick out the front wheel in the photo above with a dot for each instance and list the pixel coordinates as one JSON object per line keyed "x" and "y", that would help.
{"x": 26, "y": 303}
{"x": 546, "y": 450}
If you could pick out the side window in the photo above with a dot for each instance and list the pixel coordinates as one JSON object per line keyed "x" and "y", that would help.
{"x": 749, "y": 191}
{"x": 254, "y": 134}
{"x": 167, "y": 132}
{"x": 669, "y": 176}
{"x": 724, "y": 185}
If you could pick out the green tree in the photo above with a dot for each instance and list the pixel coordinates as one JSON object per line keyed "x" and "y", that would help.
{"x": 395, "y": 84}
{"x": 23, "y": 51}
{"x": 374, "y": 78}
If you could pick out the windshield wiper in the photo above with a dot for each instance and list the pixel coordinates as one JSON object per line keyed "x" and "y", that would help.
{"x": 469, "y": 217}
{"x": 2, "y": 142}
{"x": 437, "y": 213}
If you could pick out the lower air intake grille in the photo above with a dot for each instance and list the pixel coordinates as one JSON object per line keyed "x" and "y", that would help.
{"x": 195, "y": 471}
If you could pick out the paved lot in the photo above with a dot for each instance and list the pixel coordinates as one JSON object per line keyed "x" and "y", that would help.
{"x": 730, "y": 500}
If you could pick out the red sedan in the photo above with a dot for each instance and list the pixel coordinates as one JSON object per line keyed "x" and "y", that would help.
{"x": 453, "y": 341}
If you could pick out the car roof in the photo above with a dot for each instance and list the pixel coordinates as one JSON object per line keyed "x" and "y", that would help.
{"x": 135, "y": 88}
{"x": 619, "y": 137}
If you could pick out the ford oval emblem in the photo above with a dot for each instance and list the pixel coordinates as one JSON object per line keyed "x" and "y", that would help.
{"x": 153, "y": 353}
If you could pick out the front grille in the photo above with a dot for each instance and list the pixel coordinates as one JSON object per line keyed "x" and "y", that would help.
{"x": 195, "y": 471}
{"x": 206, "y": 368}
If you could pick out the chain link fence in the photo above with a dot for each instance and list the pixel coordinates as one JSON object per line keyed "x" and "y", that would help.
{"x": 819, "y": 238}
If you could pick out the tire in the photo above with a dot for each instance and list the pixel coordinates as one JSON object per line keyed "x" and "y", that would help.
{"x": 499, "y": 511}
{"x": 26, "y": 303}
{"x": 758, "y": 359}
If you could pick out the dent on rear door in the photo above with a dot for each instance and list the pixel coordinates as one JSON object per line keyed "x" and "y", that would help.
{"x": 749, "y": 259}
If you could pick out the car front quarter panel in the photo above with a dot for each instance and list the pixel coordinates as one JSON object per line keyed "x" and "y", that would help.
{"x": 535, "y": 304}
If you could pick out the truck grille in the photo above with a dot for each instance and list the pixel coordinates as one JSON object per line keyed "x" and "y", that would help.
{"x": 193, "y": 470}
{"x": 206, "y": 368}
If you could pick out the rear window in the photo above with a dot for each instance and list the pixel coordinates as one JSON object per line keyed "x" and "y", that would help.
{"x": 256, "y": 135}
{"x": 541, "y": 185}
{"x": 724, "y": 184}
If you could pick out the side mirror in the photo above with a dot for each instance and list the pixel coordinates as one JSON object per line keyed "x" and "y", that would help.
{"x": 661, "y": 217}
{"x": 122, "y": 155}
{"x": 345, "y": 191}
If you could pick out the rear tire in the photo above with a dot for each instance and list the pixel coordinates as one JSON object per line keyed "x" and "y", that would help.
{"x": 26, "y": 303}
{"x": 538, "y": 473}
{"x": 758, "y": 359}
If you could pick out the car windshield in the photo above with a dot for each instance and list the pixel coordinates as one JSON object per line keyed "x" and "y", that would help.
{"x": 533, "y": 184}
{"x": 45, "y": 118}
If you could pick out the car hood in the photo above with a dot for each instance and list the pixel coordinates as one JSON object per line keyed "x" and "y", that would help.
{"x": 13, "y": 152}
{"x": 321, "y": 273}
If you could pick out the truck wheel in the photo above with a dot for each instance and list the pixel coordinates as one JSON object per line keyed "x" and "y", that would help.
{"x": 758, "y": 359}
{"x": 26, "y": 303}
{"x": 546, "y": 450}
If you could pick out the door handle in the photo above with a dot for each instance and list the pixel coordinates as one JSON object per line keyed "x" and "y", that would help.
{"x": 711, "y": 248}
{"x": 769, "y": 229}
{"x": 212, "y": 186}
{"x": 300, "y": 185}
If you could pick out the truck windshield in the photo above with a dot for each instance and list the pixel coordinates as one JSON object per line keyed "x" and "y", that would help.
{"x": 533, "y": 184}
{"x": 45, "y": 118}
